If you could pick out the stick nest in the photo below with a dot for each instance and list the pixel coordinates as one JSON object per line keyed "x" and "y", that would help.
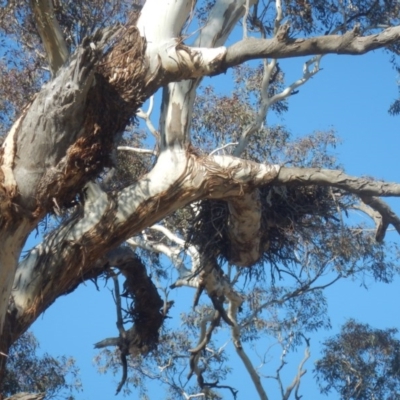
{"x": 288, "y": 214}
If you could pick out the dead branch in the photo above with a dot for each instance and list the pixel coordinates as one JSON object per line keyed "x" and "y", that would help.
{"x": 382, "y": 215}
{"x": 300, "y": 372}
{"x": 50, "y": 33}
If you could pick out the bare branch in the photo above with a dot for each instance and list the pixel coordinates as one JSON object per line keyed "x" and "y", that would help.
{"x": 267, "y": 102}
{"x": 204, "y": 339}
{"x": 146, "y": 117}
{"x": 245, "y": 16}
{"x": 252, "y": 372}
{"x": 223, "y": 147}
{"x": 335, "y": 178}
{"x": 186, "y": 276}
{"x": 381, "y": 213}
{"x": 51, "y": 34}
{"x": 279, "y": 16}
{"x": 137, "y": 150}
{"x": 300, "y": 372}
{"x": 124, "y": 349}
{"x": 200, "y": 61}
{"x": 349, "y": 43}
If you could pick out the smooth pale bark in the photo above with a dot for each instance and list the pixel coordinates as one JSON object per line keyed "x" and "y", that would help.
{"x": 351, "y": 43}
{"x": 51, "y": 33}
{"x": 176, "y": 114}
{"x": 338, "y": 179}
{"x": 13, "y": 240}
{"x": 178, "y": 97}
{"x": 179, "y": 61}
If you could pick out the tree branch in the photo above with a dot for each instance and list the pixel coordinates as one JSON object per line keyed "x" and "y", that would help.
{"x": 300, "y": 372}
{"x": 105, "y": 220}
{"x": 137, "y": 150}
{"x": 51, "y": 34}
{"x": 200, "y": 61}
{"x": 382, "y": 215}
{"x": 326, "y": 177}
{"x": 350, "y": 43}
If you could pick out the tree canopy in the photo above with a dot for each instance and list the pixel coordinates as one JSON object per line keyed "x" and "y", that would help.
{"x": 361, "y": 363}
{"x": 256, "y": 221}
{"x": 27, "y": 371}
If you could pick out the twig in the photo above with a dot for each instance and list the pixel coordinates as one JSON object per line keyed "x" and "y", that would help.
{"x": 120, "y": 325}
{"x": 146, "y": 117}
{"x": 245, "y": 16}
{"x": 223, "y": 147}
{"x": 137, "y": 150}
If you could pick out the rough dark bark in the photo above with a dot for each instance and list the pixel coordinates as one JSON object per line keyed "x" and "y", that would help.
{"x": 147, "y": 312}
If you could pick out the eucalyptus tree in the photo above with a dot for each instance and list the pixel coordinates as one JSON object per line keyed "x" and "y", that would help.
{"x": 213, "y": 187}
{"x": 361, "y": 363}
{"x": 27, "y": 371}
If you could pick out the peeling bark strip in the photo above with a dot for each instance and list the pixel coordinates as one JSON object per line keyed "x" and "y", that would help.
{"x": 244, "y": 227}
{"x": 51, "y": 33}
{"x": 147, "y": 305}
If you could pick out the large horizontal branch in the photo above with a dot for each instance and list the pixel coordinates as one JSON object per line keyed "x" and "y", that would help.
{"x": 106, "y": 220}
{"x": 350, "y": 43}
{"x": 337, "y": 179}
{"x": 183, "y": 62}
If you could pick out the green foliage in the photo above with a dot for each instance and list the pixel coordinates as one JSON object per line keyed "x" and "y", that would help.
{"x": 27, "y": 371}
{"x": 361, "y": 363}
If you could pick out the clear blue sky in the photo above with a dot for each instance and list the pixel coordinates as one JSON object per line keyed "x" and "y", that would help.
{"x": 351, "y": 94}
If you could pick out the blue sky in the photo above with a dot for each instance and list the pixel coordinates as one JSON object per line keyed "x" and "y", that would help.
{"x": 350, "y": 94}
